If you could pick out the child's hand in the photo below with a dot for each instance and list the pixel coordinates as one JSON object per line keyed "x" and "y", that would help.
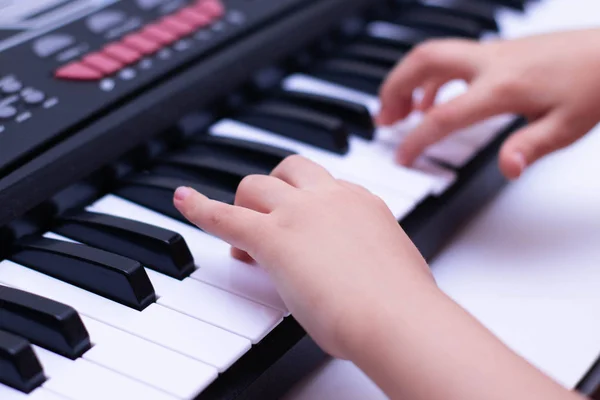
{"x": 553, "y": 80}
{"x": 335, "y": 251}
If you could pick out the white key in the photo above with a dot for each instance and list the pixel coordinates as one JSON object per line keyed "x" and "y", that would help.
{"x": 212, "y": 345}
{"x": 483, "y": 133}
{"x": 147, "y": 362}
{"x": 8, "y": 393}
{"x": 362, "y": 165}
{"x": 223, "y": 309}
{"x": 212, "y": 255}
{"x": 451, "y": 152}
{"x": 191, "y": 337}
{"x": 54, "y": 364}
{"x": 87, "y": 381}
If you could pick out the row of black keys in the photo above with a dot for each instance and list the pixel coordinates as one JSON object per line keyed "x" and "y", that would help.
{"x": 214, "y": 166}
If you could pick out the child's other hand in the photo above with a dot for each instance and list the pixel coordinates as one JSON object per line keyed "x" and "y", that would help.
{"x": 336, "y": 253}
{"x": 552, "y": 80}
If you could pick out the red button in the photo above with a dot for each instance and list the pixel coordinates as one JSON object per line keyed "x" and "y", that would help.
{"x": 122, "y": 53}
{"x": 213, "y": 8}
{"x": 141, "y": 43}
{"x": 177, "y": 26}
{"x": 195, "y": 18}
{"x": 77, "y": 71}
{"x": 103, "y": 63}
{"x": 157, "y": 33}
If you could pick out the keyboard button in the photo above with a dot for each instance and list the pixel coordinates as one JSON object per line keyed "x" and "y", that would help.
{"x": 147, "y": 362}
{"x": 7, "y": 112}
{"x": 87, "y": 381}
{"x": 115, "y": 277}
{"x": 177, "y": 26}
{"x": 101, "y": 62}
{"x": 162, "y": 250}
{"x": 44, "y": 322}
{"x": 32, "y": 96}
{"x": 156, "y": 193}
{"x": 356, "y": 115}
{"x": 320, "y": 130}
{"x": 141, "y": 43}
{"x": 194, "y": 17}
{"x": 215, "y": 264}
{"x": 19, "y": 367}
{"x": 78, "y": 72}
{"x": 126, "y": 55}
{"x": 160, "y": 325}
{"x": 214, "y": 8}
{"x": 157, "y": 33}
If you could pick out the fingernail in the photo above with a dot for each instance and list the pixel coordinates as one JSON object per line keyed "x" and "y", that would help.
{"x": 521, "y": 162}
{"x": 182, "y": 193}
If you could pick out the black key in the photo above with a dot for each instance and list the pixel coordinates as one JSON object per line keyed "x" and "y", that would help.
{"x": 156, "y": 192}
{"x": 383, "y": 56}
{"x": 19, "y": 367}
{"x": 44, "y": 322}
{"x": 299, "y": 123}
{"x": 260, "y": 156}
{"x": 515, "y": 4}
{"x": 354, "y": 74}
{"x": 439, "y": 22}
{"x": 355, "y": 115}
{"x": 484, "y": 13}
{"x": 156, "y": 248}
{"x": 396, "y": 36}
{"x": 115, "y": 277}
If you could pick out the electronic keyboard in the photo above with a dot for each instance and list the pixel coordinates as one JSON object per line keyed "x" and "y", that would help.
{"x": 107, "y": 106}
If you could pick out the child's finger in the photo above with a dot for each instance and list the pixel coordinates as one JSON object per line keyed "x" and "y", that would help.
{"x": 534, "y": 141}
{"x": 262, "y": 193}
{"x": 430, "y": 91}
{"x": 476, "y": 105}
{"x": 439, "y": 60}
{"x": 302, "y": 173}
{"x": 236, "y": 225}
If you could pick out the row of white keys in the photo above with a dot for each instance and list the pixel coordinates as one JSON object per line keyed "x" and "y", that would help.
{"x": 173, "y": 330}
{"x": 355, "y": 170}
{"x": 212, "y": 255}
{"x": 212, "y": 305}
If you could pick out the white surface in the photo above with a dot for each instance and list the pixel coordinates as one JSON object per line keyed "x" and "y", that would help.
{"x": 528, "y": 265}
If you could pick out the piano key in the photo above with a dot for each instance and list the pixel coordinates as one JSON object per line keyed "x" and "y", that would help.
{"x": 115, "y": 277}
{"x": 88, "y": 381}
{"x": 157, "y": 324}
{"x": 156, "y": 192}
{"x": 397, "y": 36}
{"x": 300, "y": 123}
{"x": 233, "y": 313}
{"x": 354, "y": 74}
{"x": 47, "y": 323}
{"x": 441, "y": 23}
{"x": 309, "y": 84}
{"x": 154, "y": 247}
{"x": 224, "y": 175}
{"x": 72, "y": 196}
{"x": 451, "y": 152}
{"x": 482, "y": 12}
{"x": 259, "y": 156}
{"x": 217, "y": 267}
{"x": 54, "y": 364}
{"x": 356, "y": 115}
{"x": 7, "y": 393}
{"x": 359, "y": 166}
{"x": 19, "y": 367}
{"x": 146, "y": 362}
{"x": 372, "y": 53}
